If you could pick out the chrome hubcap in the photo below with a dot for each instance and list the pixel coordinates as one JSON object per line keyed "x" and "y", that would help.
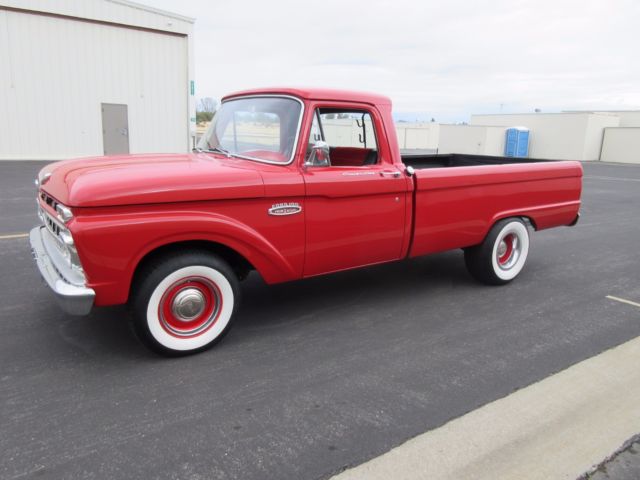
{"x": 502, "y": 248}
{"x": 188, "y": 304}
{"x": 508, "y": 251}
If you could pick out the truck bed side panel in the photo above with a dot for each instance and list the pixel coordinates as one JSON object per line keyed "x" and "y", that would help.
{"x": 455, "y": 208}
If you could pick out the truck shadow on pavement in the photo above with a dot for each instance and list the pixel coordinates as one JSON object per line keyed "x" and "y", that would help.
{"x": 273, "y": 309}
{"x": 105, "y": 332}
{"x": 379, "y": 286}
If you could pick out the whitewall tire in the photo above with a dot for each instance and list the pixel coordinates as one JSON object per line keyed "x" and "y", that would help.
{"x": 502, "y": 255}
{"x": 185, "y": 303}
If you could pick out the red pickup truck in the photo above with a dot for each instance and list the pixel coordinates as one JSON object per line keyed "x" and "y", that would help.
{"x": 291, "y": 183}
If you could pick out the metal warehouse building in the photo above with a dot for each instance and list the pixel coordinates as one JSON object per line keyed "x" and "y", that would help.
{"x": 608, "y": 136}
{"x": 93, "y": 77}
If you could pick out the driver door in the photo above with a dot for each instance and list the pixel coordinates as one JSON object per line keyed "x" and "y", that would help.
{"x": 356, "y": 200}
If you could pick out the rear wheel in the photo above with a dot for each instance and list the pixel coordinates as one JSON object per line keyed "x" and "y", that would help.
{"x": 184, "y": 303}
{"x": 502, "y": 255}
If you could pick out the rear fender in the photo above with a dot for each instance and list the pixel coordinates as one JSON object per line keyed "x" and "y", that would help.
{"x": 544, "y": 216}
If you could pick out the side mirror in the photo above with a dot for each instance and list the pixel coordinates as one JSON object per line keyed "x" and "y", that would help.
{"x": 319, "y": 156}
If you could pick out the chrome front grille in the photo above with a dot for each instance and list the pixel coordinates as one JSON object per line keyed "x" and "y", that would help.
{"x": 49, "y": 200}
{"x": 51, "y": 223}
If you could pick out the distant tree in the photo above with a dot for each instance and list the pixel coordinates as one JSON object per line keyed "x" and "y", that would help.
{"x": 207, "y": 104}
{"x": 205, "y": 109}
{"x": 203, "y": 117}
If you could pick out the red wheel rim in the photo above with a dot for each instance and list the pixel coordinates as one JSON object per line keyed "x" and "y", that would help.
{"x": 504, "y": 258}
{"x": 190, "y": 307}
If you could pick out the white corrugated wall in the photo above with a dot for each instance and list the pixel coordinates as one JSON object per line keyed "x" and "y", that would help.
{"x": 56, "y": 72}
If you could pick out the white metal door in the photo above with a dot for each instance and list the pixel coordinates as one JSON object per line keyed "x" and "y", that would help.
{"x": 115, "y": 129}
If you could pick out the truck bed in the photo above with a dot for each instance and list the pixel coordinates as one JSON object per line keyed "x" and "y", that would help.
{"x": 421, "y": 161}
{"x": 456, "y": 207}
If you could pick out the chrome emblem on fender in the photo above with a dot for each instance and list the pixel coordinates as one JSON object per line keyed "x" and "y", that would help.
{"x": 279, "y": 209}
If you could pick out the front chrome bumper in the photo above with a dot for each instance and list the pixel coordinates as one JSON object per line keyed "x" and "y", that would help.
{"x": 73, "y": 299}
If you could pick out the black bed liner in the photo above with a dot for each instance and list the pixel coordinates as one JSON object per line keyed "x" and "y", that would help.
{"x": 461, "y": 160}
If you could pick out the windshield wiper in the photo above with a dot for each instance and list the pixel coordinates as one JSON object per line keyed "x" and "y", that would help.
{"x": 219, "y": 150}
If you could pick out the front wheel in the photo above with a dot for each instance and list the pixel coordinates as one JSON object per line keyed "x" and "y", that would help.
{"x": 184, "y": 303}
{"x": 502, "y": 255}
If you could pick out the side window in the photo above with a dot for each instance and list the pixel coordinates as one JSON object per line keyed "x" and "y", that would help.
{"x": 348, "y": 129}
{"x": 350, "y": 135}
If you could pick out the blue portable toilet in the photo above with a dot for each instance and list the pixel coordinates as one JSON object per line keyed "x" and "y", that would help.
{"x": 517, "y": 142}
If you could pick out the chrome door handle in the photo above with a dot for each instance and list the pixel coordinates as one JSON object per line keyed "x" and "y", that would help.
{"x": 389, "y": 173}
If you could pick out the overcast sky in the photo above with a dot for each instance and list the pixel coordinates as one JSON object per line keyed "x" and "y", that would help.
{"x": 444, "y": 59}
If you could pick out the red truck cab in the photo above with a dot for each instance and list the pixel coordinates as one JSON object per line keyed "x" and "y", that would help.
{"x": 291, "y": 183}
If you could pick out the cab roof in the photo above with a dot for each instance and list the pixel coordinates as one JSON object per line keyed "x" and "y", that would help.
{"x": 305, "y": 93}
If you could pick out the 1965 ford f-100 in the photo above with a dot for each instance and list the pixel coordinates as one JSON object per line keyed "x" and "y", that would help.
{"x": 291, "y": 183}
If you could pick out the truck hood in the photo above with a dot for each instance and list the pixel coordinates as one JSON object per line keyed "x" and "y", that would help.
{"x": 143, "y": 179}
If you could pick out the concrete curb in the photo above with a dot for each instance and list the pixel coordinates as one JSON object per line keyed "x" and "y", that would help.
{"x": 555, "y": 428}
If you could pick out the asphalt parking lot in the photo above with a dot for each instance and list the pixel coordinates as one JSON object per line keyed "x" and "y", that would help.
{"x": 316, "y": 375}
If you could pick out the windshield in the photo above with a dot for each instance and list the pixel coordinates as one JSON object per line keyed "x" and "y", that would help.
{"x": 257, "y": 128}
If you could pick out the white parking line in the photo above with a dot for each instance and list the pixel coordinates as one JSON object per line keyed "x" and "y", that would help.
{"x": 602, "y": 177}
{"x": 622, "y": 300}
{"x": 558, "y": 428}
{"x": 14, "y": 235}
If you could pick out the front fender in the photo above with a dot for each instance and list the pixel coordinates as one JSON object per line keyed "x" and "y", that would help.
{"x": 111, "y": 246}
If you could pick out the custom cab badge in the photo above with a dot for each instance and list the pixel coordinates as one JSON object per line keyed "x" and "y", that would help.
{"x": 279, "y": 209}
